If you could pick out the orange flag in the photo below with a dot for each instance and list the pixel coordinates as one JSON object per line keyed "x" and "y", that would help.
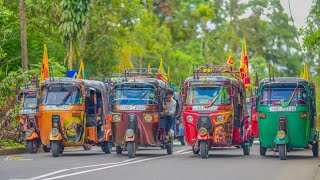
{"x": 45, "y": 65}
{"x": 244, "y": 65}
{"x": 230, "y": 60}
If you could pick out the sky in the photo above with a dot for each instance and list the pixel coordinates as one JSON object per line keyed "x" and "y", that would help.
{"x": 300, "y": 10}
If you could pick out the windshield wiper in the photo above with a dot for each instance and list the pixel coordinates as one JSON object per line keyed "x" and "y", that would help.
{"x": 66, "y": 97}
{"x": 286, "y": 104}
{"x": 214, "y": 100}
{"x": 143, "y": 95}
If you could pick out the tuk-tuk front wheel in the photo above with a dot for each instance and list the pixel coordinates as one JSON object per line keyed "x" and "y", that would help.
{"x": 282, "y": 151}
{"x": 106, "y": 147}
{"x": 33, "y": 146}
{"x": 315, "y": 149}
{"x": 263, "y": 150}
{"x": 131, "y": 149}
{"x": 46, "y": 148}
{"x": 204, "y": 149}
{"x": 170, "y": 147}
{"x": 118, "y": 149}
{"x": 56, "y": 148}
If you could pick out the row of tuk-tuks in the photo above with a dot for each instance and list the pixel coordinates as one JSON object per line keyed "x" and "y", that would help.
{"x": 127, "y": 112}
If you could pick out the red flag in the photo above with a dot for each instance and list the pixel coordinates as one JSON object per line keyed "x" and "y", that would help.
{"x": 230, "y": 60}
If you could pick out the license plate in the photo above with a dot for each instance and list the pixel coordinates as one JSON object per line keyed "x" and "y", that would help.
{"x": 132, "y": 107}
{"x": 279, "y": 108}
{"x": 202, "y": 108}
{"x": 64, "y": 107}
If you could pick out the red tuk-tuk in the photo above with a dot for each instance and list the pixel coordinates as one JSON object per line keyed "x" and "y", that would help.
{"x": 29, "y": 122}
{"x": 214, "y": 110}
{"x": 136, "y": 112}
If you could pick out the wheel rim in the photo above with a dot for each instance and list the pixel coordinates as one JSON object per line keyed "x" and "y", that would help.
{"x": 34, "y": 145}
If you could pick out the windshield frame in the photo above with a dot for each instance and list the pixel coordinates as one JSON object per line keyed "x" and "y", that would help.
{"x": 24, "y": 94}
{"x": 44, "y": 93}
{"x": 295, "y": 97}
{"x": 211, "y": 85}
{"x": 129, "y": 87}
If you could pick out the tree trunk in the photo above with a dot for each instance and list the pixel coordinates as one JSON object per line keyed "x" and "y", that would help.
{"x": 23, "y": 28}
{"x": 70, "y": 55}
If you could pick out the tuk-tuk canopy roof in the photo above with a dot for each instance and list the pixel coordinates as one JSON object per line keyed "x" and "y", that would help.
{"x": 87, "y": 83}
{"x": 205, "y": 79}
{"x": 285, "y": 80}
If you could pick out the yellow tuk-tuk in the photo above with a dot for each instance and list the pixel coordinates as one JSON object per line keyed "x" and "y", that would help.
{"x": 73, "y": 112}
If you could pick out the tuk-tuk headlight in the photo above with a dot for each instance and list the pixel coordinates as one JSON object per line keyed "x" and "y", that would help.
{"x": 281, "y": 135}
{"x": 116, "y": 118}
{"x": 189, "y": 118}
{"x": 202, "y": 131}
{"x": 148, "y": 118}
{"x": 129, "y": 133}
{"x": 219, "y": 118}
{"x": 54, "y": 131}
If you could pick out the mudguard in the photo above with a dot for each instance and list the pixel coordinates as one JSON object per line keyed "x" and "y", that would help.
{"x": 203, "y": 137}
{"x": 55, "y": 138}
{"x": 107, "y": 135}
{"x": 33, "y": 135}
{"x": 129, "y": 139}
{"x": 281, "y": 141}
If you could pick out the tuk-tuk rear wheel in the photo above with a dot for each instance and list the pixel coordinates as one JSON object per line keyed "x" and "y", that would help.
{"x": 32, "y": 146}
{"x": 86, "y": 147}
{"x": 263, "y": 150}
{"x": 183, "y": 142}
{"x": 246, "y": 150}
{"x": 204, "y": 149}
{"x": 282, "y": 151}
{"x": 118, "y": 149}
{"x": 131, "y": 149}
{"x": 55, "y": 145}
{"x": 46, "y": 148}
{"x": 315, "y": 149}
{"x": 106, "y": 147}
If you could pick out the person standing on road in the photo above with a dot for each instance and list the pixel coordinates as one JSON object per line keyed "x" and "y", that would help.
{"x": 169, "y": 110}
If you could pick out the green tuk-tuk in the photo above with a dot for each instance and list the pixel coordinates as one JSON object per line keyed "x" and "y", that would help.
{"x": 287, "y": 115}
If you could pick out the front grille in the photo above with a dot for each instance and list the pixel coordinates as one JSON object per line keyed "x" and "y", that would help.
{"x": 283, "y": 124}
{"x": 205, "y": 122}
{"x": 132, "y": 121}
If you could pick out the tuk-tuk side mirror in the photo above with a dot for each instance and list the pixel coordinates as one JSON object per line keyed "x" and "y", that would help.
{"x": 87, "y": 91}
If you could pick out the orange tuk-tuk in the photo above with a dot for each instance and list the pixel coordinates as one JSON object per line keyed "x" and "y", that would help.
{"x": 214, "y": 110}
{"x": 28, "y": 98}
{"x": 136, "y": 112}
{"x": 73, "y": 112}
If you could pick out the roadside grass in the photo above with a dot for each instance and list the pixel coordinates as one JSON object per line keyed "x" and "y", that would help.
{"x": 10, "y": 144}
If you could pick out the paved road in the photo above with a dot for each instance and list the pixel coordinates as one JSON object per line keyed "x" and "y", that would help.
{"x": 228, "y": 163}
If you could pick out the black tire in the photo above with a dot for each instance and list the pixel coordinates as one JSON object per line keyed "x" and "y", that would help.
{"x": 55, "y": 145}
{"x": 204, "y": 149}
{"x": 170, "y": 147}
{"x": 263, "y": 150}
{"x": 46, "y": 148}
{"x": 61, "y": 149}
{"x": 246, "y": 150}
{"x": 282, "y": 151}
{"x": 86, "y": 147}
{"x": 183, "y": 142}
{"x": 106, "y": 147}
{"x": 315, "y": 149}
{"x": 131, "y": 149}
{"x": 118, "y": 149}
{"x": 33, "y": 146}
{"x": 194, "y": 150}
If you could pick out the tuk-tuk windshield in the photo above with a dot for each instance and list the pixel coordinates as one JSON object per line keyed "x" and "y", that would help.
{"x": 283, "y": 93}
{"x": 204, "y": 95}
{"x": 135, "y": 94}
{"x": 29, "y": 100}
{"x": 62, "y": 94}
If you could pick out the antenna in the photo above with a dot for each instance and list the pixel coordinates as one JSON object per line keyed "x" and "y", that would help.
{"x": 269, "y": 71}
{"x": 51, "y": 74}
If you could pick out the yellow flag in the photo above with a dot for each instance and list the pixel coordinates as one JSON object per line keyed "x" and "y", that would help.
{"x": 168, "y": 73}
{"x": 306, "y": 71}
{"x": 81, "y": 74}
{"x": 45, "y": 65}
